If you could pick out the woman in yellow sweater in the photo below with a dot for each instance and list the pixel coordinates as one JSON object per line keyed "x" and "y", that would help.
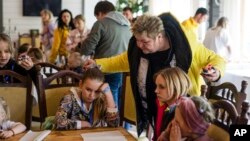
{"x": 65, "y": 24}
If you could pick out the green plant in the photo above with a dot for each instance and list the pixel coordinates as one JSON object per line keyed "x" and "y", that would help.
{"x": 138, "y": 6}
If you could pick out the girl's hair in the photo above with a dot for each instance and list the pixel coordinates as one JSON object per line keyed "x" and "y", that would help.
{"x": 61, "y": 24}
{"x": 23, "y": 48}
{"x": 79, "y": 17}
{"x": 4, "y": 110}
{"x": 96, "y": 74}
{"x": 37, "y": 53}
{"x": 142, "y": 23}
{"x": 93, "y": 73}
{"x": 178, "y": 83}
{"x": 222, "y": 22}
{"x": 47, "y": 12}
{"x": 197, "y": 113}
{"x": 5, "y": 38}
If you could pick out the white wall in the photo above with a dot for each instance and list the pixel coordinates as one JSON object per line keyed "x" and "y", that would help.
{"x": 13, "y": 16}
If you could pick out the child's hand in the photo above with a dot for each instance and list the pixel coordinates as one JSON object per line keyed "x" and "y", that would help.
{"x": 26, "y": 63}
{"x": 85, "y": 124}
{"x": 175, "y": 133}
{"x": 6, "y": 134}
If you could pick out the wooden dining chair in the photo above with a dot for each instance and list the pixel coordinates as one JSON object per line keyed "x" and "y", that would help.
{"x": 15, "y": 89}
{"x": 226, "y": 115}
{"x": 128, "y": 109}
{"x": 226, "y": 90}
{"x": 52, "y": 89}
{"x": 45, "y": 69}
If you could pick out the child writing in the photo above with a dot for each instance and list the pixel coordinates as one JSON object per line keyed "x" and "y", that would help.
{"x": 90, "y": 105}
{"x": 191, "y": 121}
{"x": 8, "y": 128}
{"x": 171, "y": 84}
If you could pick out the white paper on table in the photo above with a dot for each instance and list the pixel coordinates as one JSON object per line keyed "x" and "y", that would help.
{"x": 104, "y": 136}
{"x": 35, "y": 136}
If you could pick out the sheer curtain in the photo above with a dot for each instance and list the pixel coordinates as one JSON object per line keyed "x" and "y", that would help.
{"x": 237, "y": 13}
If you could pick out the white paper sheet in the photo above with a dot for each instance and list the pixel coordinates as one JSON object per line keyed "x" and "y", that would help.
{"x": 35, "y": 136}
{"x": 104, "y": 136}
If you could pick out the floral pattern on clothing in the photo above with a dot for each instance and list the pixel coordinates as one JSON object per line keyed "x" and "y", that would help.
{"x": 70, "y": 112}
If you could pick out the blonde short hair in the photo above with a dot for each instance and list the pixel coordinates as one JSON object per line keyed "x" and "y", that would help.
{"x": 5, "y": 38}
{"x": 48, "y": 12}
{"x": 151, "y": 25}
{"x": 178, "y": 82}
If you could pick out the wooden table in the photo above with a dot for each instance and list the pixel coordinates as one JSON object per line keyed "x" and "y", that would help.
{"x": 74, "y": 135}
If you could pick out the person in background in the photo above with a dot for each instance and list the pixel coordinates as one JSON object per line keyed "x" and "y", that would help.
{"x": 90, "y": 105}
{"x": 171, "y": 85}
{"x": 75, "y": 62}
{"x": 8, "y": 128}
{"x": 48, "y": 28}
{"x": 192, "y": 24}
{"x": 22, "y": 50}
{"x": 217, "y": 38}
{"x": 24, "y": 66}
{"x": 36, "y": 55}
{"x": 192, "y": 118}
{"x": 128, "y": 13}
{"x": 109, "y": 36}
{"x": 77, "y": 35}
{"x": 160, "y": 42}
{"x": 61, "y": 33}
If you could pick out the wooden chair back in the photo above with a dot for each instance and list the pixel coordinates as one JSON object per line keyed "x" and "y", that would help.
{"x": 47, "y": 69}
{"x": 52, "y": 89}
{"x": 128, "y": 109}
{"x": 17, "y": 94}
{"x": 226, "y": 115}
{"x": 226, "y": 90}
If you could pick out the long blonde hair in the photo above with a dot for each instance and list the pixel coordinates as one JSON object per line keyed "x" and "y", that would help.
{"x": 4, "y": 110}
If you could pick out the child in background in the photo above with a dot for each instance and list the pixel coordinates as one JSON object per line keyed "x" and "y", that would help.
{"x": 8, "y": 128}
{"x": 171, "y": 85}
{"x": 191, "y": 121}
{"x": 77, "y": 35}
{"x": 90, "y": 105}
{"x": 24, "y": 67}
{"x": 36, "y": 55}
{"x": 48, "y": 28}
{"x": 22, "y": 50}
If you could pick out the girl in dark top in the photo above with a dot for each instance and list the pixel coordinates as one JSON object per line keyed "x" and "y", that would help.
{"x": 24, "y": 65}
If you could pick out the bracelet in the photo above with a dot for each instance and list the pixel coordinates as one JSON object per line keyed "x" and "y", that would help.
{"x": 12, "y": 131}
{"x": 107, "y": 89}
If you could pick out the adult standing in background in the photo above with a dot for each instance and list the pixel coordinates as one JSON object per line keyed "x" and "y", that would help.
{"x": 217, "y": 38}
{"x": 160, "y": 42}
{"x": 48, "y": 28}
{"x": 109, "y": 36}
{"x": 64, "y": 26}
{"x": 193, "y": 23}
{"x": 128, "y": 13}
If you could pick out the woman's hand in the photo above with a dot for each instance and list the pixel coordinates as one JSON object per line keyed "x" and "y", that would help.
{"x": 6, "y": 134}
{"x": 89, "y": 63}
{"x": 210, "y": 73}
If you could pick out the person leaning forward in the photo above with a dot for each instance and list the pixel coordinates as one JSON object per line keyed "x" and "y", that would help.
{"x": 157, "y": 43}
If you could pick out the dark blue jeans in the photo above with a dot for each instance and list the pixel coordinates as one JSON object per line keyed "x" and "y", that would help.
{"x": 115, "y": 83}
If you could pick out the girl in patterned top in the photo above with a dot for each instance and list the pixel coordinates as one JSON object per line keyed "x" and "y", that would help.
{"x": 90, "y": 105}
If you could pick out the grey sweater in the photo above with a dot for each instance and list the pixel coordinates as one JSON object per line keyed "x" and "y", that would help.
{"x": 108, "y": 37}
